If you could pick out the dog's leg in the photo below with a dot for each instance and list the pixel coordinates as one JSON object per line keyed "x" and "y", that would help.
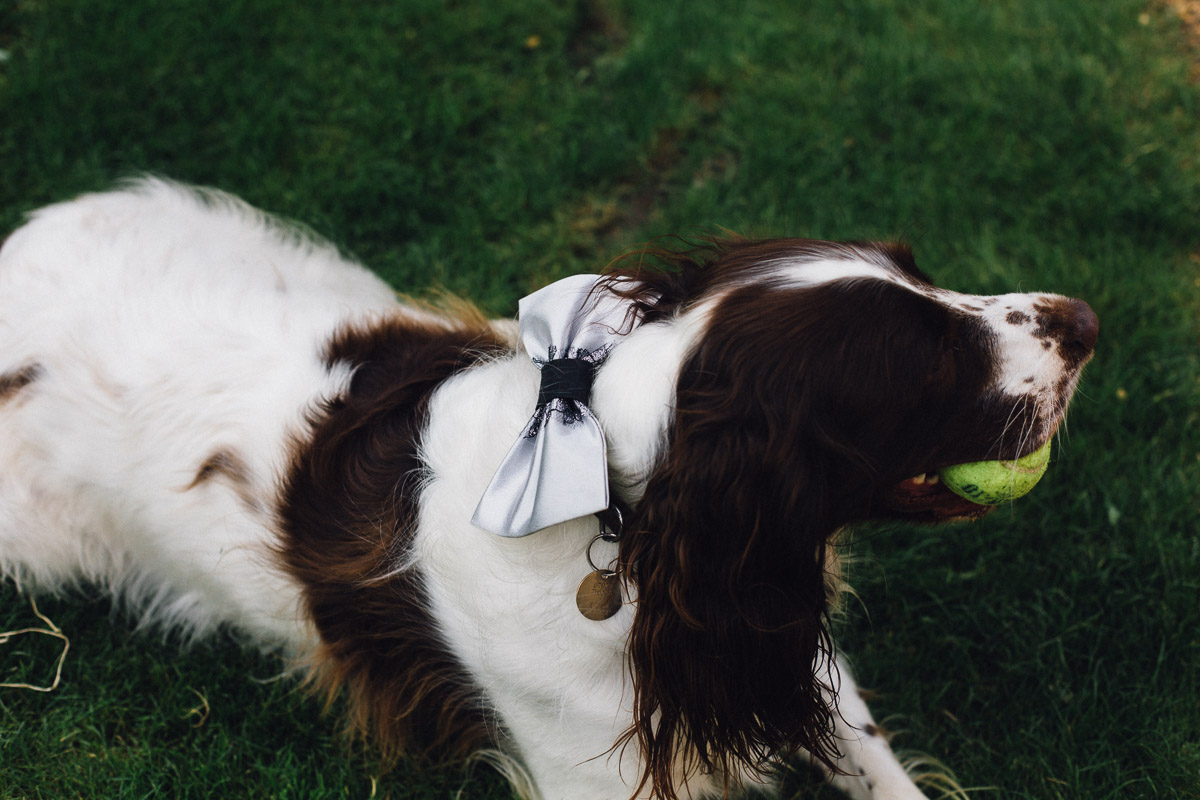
{"x": 870, "y": 769}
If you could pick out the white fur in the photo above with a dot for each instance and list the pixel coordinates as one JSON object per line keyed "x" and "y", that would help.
{"x": 169, "y": 324}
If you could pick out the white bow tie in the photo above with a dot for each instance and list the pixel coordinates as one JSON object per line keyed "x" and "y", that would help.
{"x": 558, "y": 468}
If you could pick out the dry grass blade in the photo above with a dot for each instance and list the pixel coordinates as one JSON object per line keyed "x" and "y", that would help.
{"x": 932, "y": 776}
{"x": 51, "y": 630}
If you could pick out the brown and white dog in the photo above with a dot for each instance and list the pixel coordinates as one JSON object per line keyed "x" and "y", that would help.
{"x": 226, "y": 424}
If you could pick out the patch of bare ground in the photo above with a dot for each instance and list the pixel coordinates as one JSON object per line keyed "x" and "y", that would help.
{"x": 600, "y": 223}
{"x": 599, "y": 30}
{"x": 1188, "y": 12}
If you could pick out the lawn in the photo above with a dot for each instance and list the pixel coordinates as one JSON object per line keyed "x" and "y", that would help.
{"x": 487, "y": 146}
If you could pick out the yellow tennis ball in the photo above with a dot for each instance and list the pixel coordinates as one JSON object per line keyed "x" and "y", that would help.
{"x": 990, "y": 482}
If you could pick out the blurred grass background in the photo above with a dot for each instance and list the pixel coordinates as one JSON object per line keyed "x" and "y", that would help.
{"x": 1051, "y": 651}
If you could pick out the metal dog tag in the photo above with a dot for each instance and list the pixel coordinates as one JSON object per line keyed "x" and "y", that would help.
{"x": 599, "y": 595}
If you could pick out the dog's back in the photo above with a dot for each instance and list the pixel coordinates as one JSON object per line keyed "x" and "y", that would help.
{"x": 113, "y": 310}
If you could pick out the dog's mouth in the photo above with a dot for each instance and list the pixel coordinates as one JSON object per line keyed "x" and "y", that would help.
{"x": 926, "y": 499}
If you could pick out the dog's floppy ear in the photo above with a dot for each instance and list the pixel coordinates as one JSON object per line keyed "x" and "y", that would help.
{"x": 727, "y": 550}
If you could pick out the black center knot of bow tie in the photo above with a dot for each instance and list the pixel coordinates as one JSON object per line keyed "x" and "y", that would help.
{"x": 566, "y": 379}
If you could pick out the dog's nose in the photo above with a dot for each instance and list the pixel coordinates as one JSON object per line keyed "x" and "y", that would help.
{"x": 1074, "y": 325}
{"x": 1083, "y": 327}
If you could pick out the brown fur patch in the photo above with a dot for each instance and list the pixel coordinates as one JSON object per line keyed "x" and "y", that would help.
{"x": 348, "y": 511}
{"x": 13, "y": 382}
{"x": 230, "y": 467}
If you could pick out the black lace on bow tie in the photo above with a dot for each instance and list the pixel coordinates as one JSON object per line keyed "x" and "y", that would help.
{"x": 567, "y": 379}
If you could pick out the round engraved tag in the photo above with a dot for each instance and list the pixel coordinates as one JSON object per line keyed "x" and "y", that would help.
{"x": 599, "y": 595}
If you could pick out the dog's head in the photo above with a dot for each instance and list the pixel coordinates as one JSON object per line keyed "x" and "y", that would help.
{"x": 816, "y": 381}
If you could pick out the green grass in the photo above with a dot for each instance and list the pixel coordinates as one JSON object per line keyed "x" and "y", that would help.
{"x": 1051, "y": 651}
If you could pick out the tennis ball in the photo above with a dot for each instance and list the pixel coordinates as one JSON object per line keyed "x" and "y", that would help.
{"x": 990, "y": 482}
